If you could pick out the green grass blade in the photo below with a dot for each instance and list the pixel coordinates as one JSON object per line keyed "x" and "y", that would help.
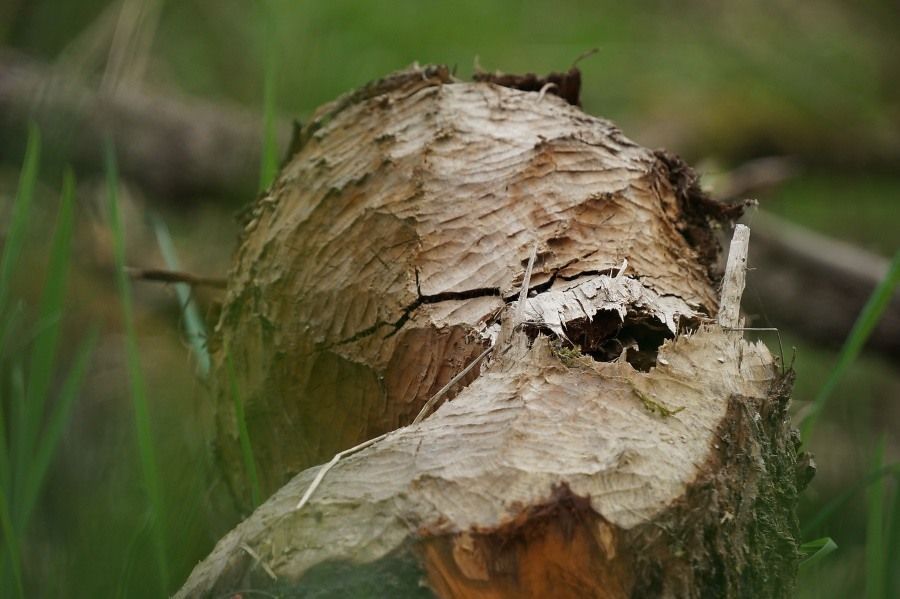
{"x": 11, "y": 540}
{"x": 43, "y": 351}
{"x": 892, "y": 545}
{"x": 876, "y": 562}
{"x": 193, "y": 324}
{"x": 269, "y": 159}
{"x": 131, "y": 555}
{"x": 56, "y": 424}
{"x": 12, "y": 522}
{"x": 841, "y": 500}
{"x": 15, "y": 236}
{"x": 18, "y": 454}
{"x": 854, "y": 343}
{"x": 9, "y": 324}
{"x": 244, "y": 435}
{"x": 4, "y": 447}
{"x": 816, "y": 550}
{"x": 12, "y": 249}
{"x": 10, "y": 328}
{"x": 137, "y": 387}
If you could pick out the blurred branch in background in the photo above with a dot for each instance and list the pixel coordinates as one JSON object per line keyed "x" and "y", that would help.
{"x": 173, "y": 147}
{"x": 816, "y": 285}
{"x": 755, "y": 176}
{"x": 183, "y": 147}
{"x": 802, "y": 280}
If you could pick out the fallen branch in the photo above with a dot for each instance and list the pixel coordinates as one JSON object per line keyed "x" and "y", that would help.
{"x": 755, "y": 176}
{"x": 814, "y": 285}
{"x": 175, "y": 147}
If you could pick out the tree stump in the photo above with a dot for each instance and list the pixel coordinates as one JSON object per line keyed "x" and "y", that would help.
{"x": 618, "y": 441}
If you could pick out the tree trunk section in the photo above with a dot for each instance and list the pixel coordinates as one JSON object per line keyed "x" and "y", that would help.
{"x": 617, "y": 442}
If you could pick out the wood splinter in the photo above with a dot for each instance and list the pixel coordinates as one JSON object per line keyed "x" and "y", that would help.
{"x": 734, "y": 280}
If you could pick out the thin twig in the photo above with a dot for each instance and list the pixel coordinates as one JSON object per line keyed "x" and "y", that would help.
{"x": 324, "y": 469}
{"x": 583, "y": 55}
{"x": 160, "y": 275}
{"x": 426, "y": 409}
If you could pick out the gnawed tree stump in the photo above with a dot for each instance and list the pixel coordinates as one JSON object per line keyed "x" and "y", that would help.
{"x": 616, "y": 443}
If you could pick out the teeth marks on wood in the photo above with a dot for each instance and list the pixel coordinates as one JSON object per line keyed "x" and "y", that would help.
{"x": 405, "y": 216}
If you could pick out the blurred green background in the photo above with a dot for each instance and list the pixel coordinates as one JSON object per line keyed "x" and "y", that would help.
{"x": 719, "y": 83}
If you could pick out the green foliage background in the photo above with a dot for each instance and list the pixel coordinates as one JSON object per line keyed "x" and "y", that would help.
{"x": 717, "y": 82}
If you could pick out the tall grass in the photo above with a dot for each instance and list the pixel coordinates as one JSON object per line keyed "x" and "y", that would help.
{"x": 137, "y": 388}
{"x": 862, "y": 328}
{"x": 31, "y": 434}
{"x": 837, "y": 503}
{"x": 269, "y": 157}
{"x": 882, "y": 528}
{"x": 892, "y": 542}
{"x": 876, "y": 559}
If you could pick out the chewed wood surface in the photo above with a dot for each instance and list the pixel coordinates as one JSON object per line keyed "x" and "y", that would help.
{"x": 398, "y": 230}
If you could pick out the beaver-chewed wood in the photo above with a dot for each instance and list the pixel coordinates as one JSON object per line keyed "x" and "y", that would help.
{"x": 616, "y": 443}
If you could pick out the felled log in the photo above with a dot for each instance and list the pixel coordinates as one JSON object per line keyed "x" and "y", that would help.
{"x": 620, "y": 440}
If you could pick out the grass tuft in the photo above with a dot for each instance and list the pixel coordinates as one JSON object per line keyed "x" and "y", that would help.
{"x": 269, "y": 159}
{"x": 37, "y": 423}
{"x": 15, "y": 235}
{"x": 137, "y": 387}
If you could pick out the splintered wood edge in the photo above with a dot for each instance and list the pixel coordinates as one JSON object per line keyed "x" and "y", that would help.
{"x": 735, "y": 279}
